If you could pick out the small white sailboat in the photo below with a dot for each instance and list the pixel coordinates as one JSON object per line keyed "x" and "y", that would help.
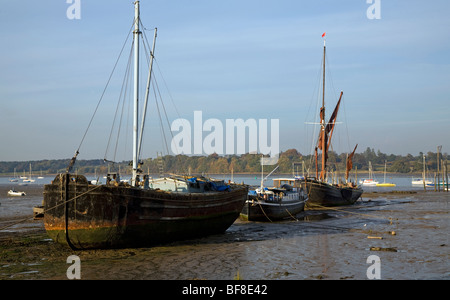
{"x": 14, "y": 179}
{"x": 422, "y": 181}
{"x": 13, "y": 192}
{"x": 23, "y": 176}
{"x": 385, "y": 184}
{"x": 371, "y": 180}
{"x": 30, "y": 179}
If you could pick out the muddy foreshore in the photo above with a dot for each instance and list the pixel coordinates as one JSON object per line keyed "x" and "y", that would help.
{"x": 408, "y": 231}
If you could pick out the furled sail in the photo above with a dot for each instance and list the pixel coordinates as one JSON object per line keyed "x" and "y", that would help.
{"x": 327, "y": 133}
{"x": 350, "y": 163}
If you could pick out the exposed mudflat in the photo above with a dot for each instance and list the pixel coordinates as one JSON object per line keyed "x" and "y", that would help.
{"x": 408, "y": 231}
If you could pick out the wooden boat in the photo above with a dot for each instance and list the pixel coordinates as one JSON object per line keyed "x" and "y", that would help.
{"x": 320, "y": 192}
{"x": 286, "y": 199}
{"x": 82, "y": 215}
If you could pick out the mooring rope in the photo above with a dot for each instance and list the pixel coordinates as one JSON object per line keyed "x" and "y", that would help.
{"x": 291, "y": 215}
{"x": 260, "y": 206}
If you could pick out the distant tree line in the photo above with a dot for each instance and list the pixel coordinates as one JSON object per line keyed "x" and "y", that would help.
{"x": 246, "y": 163}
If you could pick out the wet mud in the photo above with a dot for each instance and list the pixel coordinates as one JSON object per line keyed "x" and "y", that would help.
{"x": 407, "y": 231}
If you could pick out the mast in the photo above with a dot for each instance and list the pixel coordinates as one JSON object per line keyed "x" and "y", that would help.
{"x": 262, "y": 173}
{"x": 423, "y": 174}
{"x": 322, "y": 117}
{"x": 149, "y": 78}
{"x": 136, "y": 92}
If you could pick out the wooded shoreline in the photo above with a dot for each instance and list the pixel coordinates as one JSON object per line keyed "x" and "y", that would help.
{"x": 289, "y": 161}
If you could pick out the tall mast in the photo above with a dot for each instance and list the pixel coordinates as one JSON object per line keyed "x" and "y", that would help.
{"x": 323, "y": 87}
{"x": 322, "y": 121}
{"x": 136, "y": 92}
{"x": 149, "y": 78}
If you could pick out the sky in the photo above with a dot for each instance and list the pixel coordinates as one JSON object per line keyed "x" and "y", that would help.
{"x": 232, "y": 59}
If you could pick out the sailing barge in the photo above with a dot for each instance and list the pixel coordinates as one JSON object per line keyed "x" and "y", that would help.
{"x": 146, "y": 212}
{"x": 320, "y": 191}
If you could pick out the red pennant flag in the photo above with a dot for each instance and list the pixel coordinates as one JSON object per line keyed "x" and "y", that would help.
{"x": 323, "y": 35}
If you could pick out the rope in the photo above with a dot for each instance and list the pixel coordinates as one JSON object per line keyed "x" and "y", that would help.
{"x": 291, "y": 215}
{"x": 260, "y": 206}
{"x": 104, "y": 90}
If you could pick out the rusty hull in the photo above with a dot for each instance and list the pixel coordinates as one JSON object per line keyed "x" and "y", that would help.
{"x": 85, "y": 216}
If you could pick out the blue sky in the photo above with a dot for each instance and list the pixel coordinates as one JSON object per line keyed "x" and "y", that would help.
{"x": 229, "y": 59}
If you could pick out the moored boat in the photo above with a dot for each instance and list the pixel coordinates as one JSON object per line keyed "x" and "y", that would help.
{"x": 421, "y": 182}
{"x": 385, "y": 184}
{"x": 145, "y": 212}
{"x": 83, "y": 215}
{"x": 13, "y": 192}
{"x": 368, "y": 182}
{"x": 286, "y": 199}
{"x": 371, "y": 180}
{"x": 320, "y": 191}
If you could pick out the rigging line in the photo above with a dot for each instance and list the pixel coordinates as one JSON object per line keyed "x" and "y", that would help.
{"x": 127, "y": 130}
{"x": 122, "y": 93}
{"x": 123, "y": 109}
{"x": 333, "y": 89}
{"x": 104, "y": 90}
{"x": 128, "y": 91}
{"x": 167, "y": 88}
{"x": 161, "y": 122}
{"x": 165, "y": 113}
{"x": 316, "y": 93}
{"x": 346, "y": 124}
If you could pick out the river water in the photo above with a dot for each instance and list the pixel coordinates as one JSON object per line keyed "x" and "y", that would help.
{"x": 408, "y": 232}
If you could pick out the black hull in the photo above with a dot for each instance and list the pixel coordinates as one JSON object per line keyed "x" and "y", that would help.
{"x": 85, "y": 216}
{"x": 259, "y": 210}
{"x": 324, "y": 194}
